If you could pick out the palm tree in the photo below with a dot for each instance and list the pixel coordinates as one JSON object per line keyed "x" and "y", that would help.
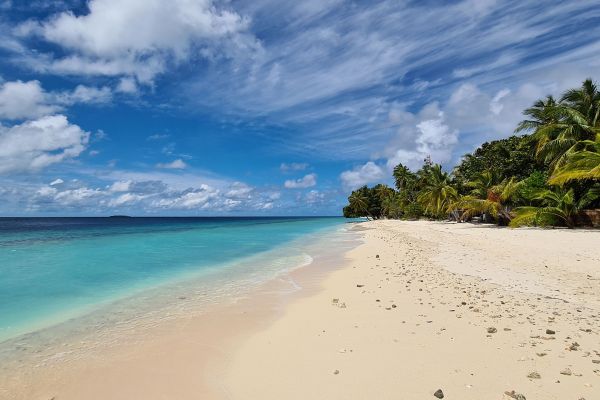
{"x": 438, "y": 192}
{"x": 580, "y": 165}
{"x": 559, "y": 205}
{"x": 483, "y": 183}
{"x": 391, "y": 206}
{"x": 497, "y": 201}
{"x": 586, "y": 100}
{"x": 383, "y": 191}
{"x": 560, "y": 127}
{"x": 541, "y": 114}
{"x": 359, "y": 201}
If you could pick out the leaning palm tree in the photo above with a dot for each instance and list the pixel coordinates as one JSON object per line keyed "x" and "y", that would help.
{"x": 557, "y": 206}
{"x": 438, "y": 192}
{"x": 580, "y": 165}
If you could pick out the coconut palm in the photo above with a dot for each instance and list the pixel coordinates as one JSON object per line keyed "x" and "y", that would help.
{"x": 559, "y": 127}
{"x": 541, "y": 114}
{"x": 391, "y": 206}
{"x": 404, "y": 178}
{"x": 383, "y": 191}
{"x": 580, "y": 165}
{"x": 483, "y": 183}
{"x": 497, "y": 202}
{"x": 437, "y": 192}
{"x": 558, "y": 205}
{"x": 359, "y": 201}
{"x": 586, "y": 100}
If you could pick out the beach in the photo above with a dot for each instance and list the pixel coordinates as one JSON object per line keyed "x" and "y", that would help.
{"x": 416, "y": 310}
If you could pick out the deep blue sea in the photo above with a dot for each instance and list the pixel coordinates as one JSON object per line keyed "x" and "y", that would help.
{"x": 54, "y": 269}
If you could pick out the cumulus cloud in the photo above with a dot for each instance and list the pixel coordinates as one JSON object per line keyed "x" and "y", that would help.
{"x": 302, "y": 183}
{"x": 20, "y": 100}
{"x": 362, "y": 175}
{"x": 176, "y": 164}
{"x": 39, "y": 143}
{"x": 136, "y": 37}
{"x": 25, "y": 100}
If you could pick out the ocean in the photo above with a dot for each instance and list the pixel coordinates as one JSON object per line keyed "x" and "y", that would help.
{"x": 79, "y": 271}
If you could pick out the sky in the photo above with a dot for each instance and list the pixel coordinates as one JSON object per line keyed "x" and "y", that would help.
{"x": 256, "y": 107}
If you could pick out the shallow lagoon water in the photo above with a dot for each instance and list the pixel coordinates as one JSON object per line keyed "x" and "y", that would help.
{"x": 56, "y": 270}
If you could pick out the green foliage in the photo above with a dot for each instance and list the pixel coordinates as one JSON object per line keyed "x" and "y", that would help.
{"x": 412, "y": 211}
{"x": 437, "y": 191}
{"x": 501, "y": 158}
{"x": 558, "y": 207}
{"x": 531, "y": 186}
{"x": 544, "y": 178}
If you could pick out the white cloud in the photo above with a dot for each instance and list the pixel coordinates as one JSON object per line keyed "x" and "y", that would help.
{"x": 36, "y": 144}
{"x": 120, "y": 186}
{"x": 25, "y": 100}
{"x": 127, "y": 85}
{"x": 56, "y": 182}
{"x": 86, "y": 94}
{"x": 20, "y": 100}
{"x": 193, "y": 199}
{"x": 314, "y": 196}
{"x": 176, "y": 164}
{"x": 239, "y": 190}
{"x": 136, "y": 37}
{"x": 362, "y": 175}
{"x": 78, "y": 196}
{"x": 302, "y": 183}
{"x": 125, "y": 198}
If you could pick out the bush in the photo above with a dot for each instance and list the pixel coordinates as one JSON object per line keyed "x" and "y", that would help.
{"x": 413, "y": 211}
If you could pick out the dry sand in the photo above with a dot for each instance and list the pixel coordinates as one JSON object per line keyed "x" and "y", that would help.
{"x": 427, "y": 306}
{"x": 476, "y": 311}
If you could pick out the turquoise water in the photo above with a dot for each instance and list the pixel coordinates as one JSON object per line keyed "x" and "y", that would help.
{"x": 53, "y": 269}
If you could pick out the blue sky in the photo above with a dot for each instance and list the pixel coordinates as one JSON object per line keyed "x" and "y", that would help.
{"x": 206, "y": 107}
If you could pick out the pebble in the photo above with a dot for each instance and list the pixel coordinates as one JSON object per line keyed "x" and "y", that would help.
{"x": 439, "y": 394}
{"x": 492, "y": 330}
{"x": 534, "y": 375}
{"x": 566, "y": 371}
{"x": 515, "y": 395}
{"x": 550, "y": 332}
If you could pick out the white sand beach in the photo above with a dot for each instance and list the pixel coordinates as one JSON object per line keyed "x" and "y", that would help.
{"x": 475, "y": 311}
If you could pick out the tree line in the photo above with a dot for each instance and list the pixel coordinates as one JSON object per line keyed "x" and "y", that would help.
{"x": 544, "y": 175}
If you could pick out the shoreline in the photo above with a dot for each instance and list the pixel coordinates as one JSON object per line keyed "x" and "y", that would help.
{"x": 219, "y": 325}
{"x": 421, "y": 308}
{"x": 416, "y": 307}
